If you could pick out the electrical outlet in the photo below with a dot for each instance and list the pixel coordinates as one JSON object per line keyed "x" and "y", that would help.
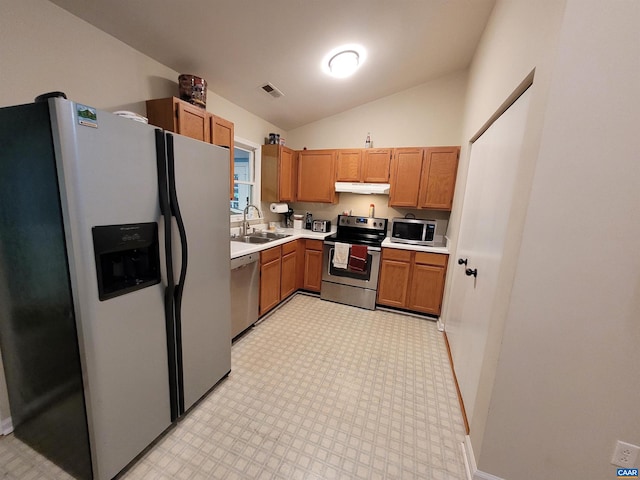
{"x": 625, "y": 454}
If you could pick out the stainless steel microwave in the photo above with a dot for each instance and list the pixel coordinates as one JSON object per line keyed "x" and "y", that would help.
{"x": 413, "y": 231}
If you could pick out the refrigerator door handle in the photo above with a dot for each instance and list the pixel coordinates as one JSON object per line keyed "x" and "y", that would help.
{"x": 169, "y": 292}
{"x": 175, "y": 210}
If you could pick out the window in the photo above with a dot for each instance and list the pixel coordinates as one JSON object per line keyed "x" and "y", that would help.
{"x": 245, "y": 172}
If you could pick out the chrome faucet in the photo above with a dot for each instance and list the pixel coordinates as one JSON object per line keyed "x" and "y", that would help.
{"x": 245, "y": 222}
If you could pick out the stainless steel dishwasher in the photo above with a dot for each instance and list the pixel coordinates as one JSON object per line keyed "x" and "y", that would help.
{"x": 245, "y": 284}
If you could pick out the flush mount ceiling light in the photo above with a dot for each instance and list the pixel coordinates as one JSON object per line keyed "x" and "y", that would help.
{"x": 343, "y": 61}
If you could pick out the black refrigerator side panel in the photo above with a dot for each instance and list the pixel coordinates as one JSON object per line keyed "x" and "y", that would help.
{"x": 38, "y": 337}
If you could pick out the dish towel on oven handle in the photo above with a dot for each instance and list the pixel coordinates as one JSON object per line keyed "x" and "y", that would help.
{"x": 341, "y": 255}
{"x": 358, "y": 258}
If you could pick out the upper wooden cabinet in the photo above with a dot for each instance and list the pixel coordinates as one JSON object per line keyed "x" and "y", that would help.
{"x": 423, "y": 177}
{"x": 279, "y": 174}
{"x": 406, "y": 167}
{"x": 316, "y": 174}
{"x": 363, "y": 165}
{"x": 349, "y": 165}
{"x": 222, "y": 134}
{"x": 181, "y": 117}
{"x": 376, "y": 164}
{"x": 438, "y": 180}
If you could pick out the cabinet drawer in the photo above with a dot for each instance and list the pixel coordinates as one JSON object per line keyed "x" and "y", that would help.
{"x": 314, "y": 244}
{"x": 425, "y": 258}
{"x": 269, "y": 255}
{"x": 396, "y": 254}
{"x": 288, "y": 247}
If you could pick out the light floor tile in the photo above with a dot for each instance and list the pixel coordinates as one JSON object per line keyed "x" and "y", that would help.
{"x": 317, "y": 390}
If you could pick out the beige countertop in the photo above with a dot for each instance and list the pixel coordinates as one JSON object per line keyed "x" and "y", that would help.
{"x": 417, "y": 248}
{"x": 239, "y": 249}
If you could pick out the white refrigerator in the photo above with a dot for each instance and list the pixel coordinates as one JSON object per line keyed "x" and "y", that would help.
{"x": 114, "y": 280}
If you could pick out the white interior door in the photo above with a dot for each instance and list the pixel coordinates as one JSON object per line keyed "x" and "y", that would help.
{"x": 493, "y": 166}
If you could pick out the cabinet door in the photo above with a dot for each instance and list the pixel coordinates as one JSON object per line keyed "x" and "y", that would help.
{"x": 406, "y": 167}
{"x": 288, "y": 275}
{"x": 349, "y": 166}
{"x": 427, "y": 287}
{"x": 439, "y": 177}
{"x": 376, "y": 165}
{"x": 313, "y": 265}
{"x": 287, "y": 175}
{"x": 395, "y": 269}
{"x": 193, "y": 121}
{"x": 270, "y": 272}
{"x": 222, "y": 134}
{"x": 316, "y": 173}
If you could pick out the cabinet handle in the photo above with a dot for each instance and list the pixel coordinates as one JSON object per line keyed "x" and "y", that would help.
{"x": 471, "y": 273}
{"x": 462, "y": 261}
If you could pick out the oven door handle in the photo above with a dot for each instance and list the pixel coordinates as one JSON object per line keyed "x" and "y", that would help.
{"x": 372, "y": 249}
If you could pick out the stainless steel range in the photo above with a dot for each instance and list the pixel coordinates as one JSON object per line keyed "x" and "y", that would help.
{"x": 351, "y": 261}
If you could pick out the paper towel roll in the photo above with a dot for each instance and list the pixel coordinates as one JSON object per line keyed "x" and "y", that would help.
{"x": 279, "y": 207}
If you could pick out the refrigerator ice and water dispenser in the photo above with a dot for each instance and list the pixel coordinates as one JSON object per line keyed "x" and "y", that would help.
{"x": 127, "y": 258}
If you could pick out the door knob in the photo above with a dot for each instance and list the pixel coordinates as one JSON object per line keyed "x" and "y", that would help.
{"x": 471, "y": 273}
{"x": 462, "y": 261}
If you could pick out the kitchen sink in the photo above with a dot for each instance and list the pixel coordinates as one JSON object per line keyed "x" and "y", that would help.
{"x": 259, "y": 237}
{"x": 270, "y": 235}
{"x": 251, "y": 239}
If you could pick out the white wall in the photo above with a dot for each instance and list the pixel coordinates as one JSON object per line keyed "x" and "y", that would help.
{"x": 43, "y": 48}
{"x": 520, "y": 37}
{"x": 429, "y": 114}
{"x": 566, "y": 385}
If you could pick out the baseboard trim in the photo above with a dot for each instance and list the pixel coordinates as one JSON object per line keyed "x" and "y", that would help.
{"x": 455, "y": 380}
{"x": 6, "y": 426}
{"x": 470, "y": 463}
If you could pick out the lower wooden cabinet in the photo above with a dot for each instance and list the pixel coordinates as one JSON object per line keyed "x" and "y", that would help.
{"x": 395, "y": 271}
{"x": 278, "y": 266}
{"x": 313, "y": 265}
{"x": 288, "y": 270}
{"x": 412, "y": 280}
{"x": 270, "y": 272}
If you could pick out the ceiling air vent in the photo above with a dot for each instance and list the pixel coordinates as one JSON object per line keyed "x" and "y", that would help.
{"x": 272, "y": 90}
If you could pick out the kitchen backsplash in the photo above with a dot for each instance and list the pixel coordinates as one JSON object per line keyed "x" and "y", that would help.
{"x": 358, "y": 205}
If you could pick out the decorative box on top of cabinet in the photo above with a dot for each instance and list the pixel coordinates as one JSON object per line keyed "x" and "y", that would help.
{"x": 181, "y": 117}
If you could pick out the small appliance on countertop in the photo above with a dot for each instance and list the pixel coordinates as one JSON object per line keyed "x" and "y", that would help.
{"x": 413, "y": 231}
{"x": 298, "y": 221}
{"x": 321, "y": 226}
{"x": 308, "y": 221}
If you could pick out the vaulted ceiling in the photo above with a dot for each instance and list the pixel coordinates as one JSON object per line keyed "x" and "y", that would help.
{"x": 239, "y": 45}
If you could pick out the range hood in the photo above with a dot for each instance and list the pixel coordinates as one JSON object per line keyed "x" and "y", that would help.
{"x": 364, "y": 188}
